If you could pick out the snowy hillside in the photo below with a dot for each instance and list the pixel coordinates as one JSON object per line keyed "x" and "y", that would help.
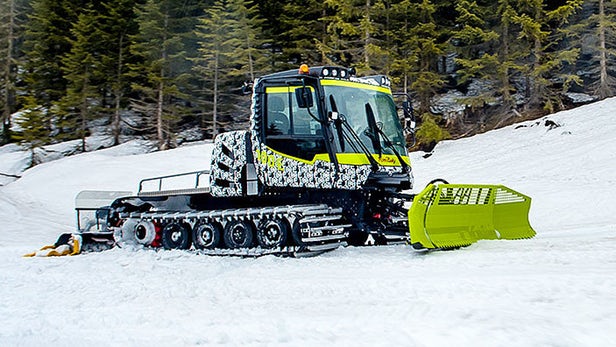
{"x": 554, "y": 290}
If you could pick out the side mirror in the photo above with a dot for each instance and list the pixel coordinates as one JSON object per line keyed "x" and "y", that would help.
{"x": 409, "y": 117}
{"x": 406, "y": 106}
{"x": 303, "y": 96}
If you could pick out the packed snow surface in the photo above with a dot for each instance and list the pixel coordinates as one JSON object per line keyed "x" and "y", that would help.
{"x": 557, "y": 289}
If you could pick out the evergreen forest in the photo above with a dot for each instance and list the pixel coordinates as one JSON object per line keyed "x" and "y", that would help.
{"x": 181, "y": 70}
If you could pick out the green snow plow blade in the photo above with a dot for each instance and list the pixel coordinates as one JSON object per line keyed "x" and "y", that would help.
{"x": 454, "y": 215}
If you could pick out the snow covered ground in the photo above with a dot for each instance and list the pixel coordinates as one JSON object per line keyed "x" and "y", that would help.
{"x": 557, "y": 289}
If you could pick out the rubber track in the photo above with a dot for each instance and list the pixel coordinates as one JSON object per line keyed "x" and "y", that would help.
{"x": 334, "y": 235}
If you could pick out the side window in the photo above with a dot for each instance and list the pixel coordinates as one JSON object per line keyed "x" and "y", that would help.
{"x": 290, "y": 129}
{"x": 277, "y": 116}
{"x": 303, "y": 122}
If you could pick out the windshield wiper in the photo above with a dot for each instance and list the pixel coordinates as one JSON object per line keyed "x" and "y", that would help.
{"x": 341, "y": 125}
{"x": 386, "y": 139}
{"x": 357, "y": 141}
{"x": 373, "y": 132}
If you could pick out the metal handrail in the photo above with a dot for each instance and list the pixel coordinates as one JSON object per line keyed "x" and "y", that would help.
{"x": 160, "y": 179}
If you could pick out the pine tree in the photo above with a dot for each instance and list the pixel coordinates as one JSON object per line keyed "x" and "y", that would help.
{"x": 473, "y": 40}
{"x": 248, "y": 60}
{"x": 35, "y": 126}
{"x": 117, "y": 23}
{"x": 539, "y": 29}
{"x": 301, "y": 29}
{"x": 430, "y": 133}
{"x": 160, "y": 46}
{"x": 215, "y": 48}
{"x": 596, "y": 38}
{"x": 231, "y": 52}
{"x": 276, "y": 27}
{"x": 506, "y": 58}
{"x": 10, "y": 31}
{"x": 373, "y": 25}
{"x": 424, "y": 49}
{"x": 606, "y": 29}
{"x": 80, "y": 67}
{"x": 353, "y": 39}
{"x": 388, "y": 36}
{"x": 47, "y": 33}
{"x": 404, "y": 60}
{"x": 248, "y": 40}
{"x": 418, "y": 47}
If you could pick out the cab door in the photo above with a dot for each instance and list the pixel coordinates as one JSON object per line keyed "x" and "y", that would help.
{"x": 293, "y": 152}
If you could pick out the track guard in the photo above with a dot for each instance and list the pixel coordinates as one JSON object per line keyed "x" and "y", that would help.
{"x": 455, "y": 215}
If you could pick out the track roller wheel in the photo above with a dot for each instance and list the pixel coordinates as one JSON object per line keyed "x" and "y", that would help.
{"x": 238, "y": 234}
{"x": 176, "y": 235}
{"x": 145, "y": 232}
{"x": 272, "y": 233}
{"x": 206, "y": 235}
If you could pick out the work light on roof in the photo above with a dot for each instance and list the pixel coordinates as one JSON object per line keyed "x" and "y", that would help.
{"x": 383, "y": 80}
{"x": 304, "y": 69}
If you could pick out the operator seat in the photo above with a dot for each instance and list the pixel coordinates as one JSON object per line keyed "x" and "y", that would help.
{"x": 277, "y": 121}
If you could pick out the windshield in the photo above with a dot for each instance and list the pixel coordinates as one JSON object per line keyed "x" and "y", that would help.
{"x": 351, "y": 99}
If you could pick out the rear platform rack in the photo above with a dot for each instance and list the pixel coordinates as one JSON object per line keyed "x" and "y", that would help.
{"x": 178, "y": 184}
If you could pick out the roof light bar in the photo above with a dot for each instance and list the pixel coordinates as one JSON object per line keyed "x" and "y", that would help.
{"x": 327, "y": 71}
